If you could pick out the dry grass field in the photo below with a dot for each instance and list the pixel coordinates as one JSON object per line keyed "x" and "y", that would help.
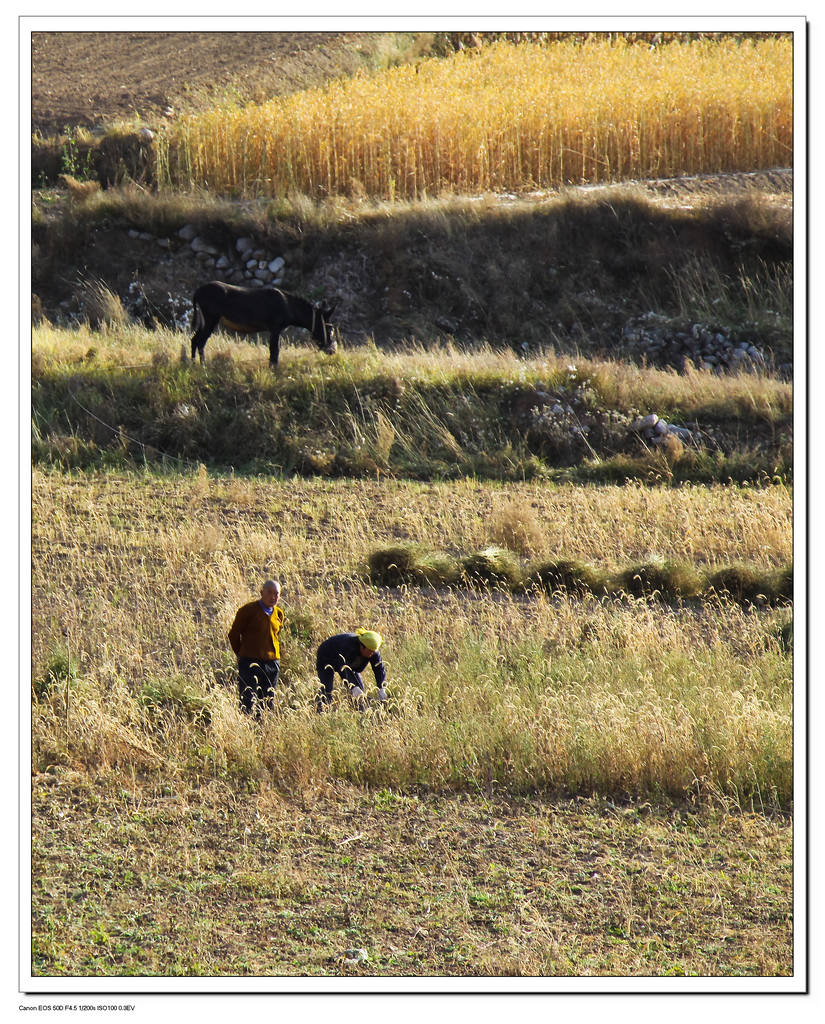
{"x": 626, "y": 698}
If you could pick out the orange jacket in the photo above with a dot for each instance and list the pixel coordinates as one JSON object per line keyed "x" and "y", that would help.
{"x": 254, "y": 634}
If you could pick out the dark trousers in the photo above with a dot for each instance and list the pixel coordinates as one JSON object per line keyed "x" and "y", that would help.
{"x": 326, "y": 674}
{"x": 256, "y": 684}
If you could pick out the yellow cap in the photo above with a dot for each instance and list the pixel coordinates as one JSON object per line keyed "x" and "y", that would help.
{"x": 369, "y": 638}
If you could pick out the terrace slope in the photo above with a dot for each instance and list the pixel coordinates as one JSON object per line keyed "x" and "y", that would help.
{"x": 568, "y": 269}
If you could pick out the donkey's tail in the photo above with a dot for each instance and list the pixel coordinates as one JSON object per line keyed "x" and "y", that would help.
{"x": 197, "y": 316}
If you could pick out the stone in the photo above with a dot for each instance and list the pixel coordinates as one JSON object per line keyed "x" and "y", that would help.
{"x": 163, "y": 243}
{"x": 681, "y": 432}
{"x": 250, "y": 264}
{"x": 646, "y": 422}
{"x": 188, "y": 232}
{"x": 244, "y": 245}
{"x": 276, "y": 264}
{"x": 355, "y": 956}
{"x": 262, "y": 274}
{"x": 146, "y": 134}
{"x": 660, "y": 427}
{"x": 133, "y": 233}
{"x": 199, "y": 244}
{"x": 221, "y": 263}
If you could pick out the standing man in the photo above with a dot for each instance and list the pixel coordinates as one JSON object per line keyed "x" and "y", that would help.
{"x": 254, "y": 639}
{"x": 348, "y": 654}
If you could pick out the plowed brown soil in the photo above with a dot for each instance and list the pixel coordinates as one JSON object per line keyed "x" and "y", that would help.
{"x": 89, "y": 78}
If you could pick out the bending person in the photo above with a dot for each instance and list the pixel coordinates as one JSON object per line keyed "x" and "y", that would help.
{"x": 348, "y": 654}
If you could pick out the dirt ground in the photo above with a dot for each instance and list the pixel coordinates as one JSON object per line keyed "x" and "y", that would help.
{"x": 136, "y": 878}
{"x": 118, "y": 75}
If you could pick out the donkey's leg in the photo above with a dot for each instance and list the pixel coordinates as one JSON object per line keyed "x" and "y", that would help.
{"x": 274, "y": 347}
{"x": 201, "y": 334}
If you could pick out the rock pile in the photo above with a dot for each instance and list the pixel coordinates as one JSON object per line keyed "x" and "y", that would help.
{"x": 243, "y": 262}
{"x": 247, "y": 264}
{"x": 654, "y": 339}
{"x": 654, "y": 429}
{"x": 566, "y": 421}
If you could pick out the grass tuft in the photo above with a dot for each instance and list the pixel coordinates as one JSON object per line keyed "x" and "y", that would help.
{"x": 742, "y": 583}
{"x": 495, "y": 566}
{"x": 515, "y": 526}
{"x": 665, "y": 579}
{"x": 101, "y": 305}
{"x": 668, "y": 580}
{"x": 412, "y": 563}
{"x": 177, "y": 695}
{"x": 570, "y": 575}
{"x": 61, "y": 672}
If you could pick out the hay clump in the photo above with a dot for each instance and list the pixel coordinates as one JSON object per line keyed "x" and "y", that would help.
{"x": 667, "y": 580}
{"x": 412, "y": 563}
{"x": 569, "y": 575}
{"x": 494, "y": 566}
{"x": 748, "y": 585}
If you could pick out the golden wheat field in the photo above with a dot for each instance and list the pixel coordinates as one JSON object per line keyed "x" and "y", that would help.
{"x": 508, "y": 117}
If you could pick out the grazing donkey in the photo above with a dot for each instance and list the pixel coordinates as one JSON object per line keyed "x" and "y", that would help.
{"x": 255, "y": 310}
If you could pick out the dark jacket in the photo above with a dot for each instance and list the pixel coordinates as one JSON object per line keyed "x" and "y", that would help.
{"x": 343, "y": 654}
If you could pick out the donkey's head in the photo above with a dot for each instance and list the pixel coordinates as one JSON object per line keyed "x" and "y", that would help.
{"x": 322, "y": 330}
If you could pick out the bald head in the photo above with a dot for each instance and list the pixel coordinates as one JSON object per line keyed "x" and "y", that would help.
{"x": 270, "y": 592}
